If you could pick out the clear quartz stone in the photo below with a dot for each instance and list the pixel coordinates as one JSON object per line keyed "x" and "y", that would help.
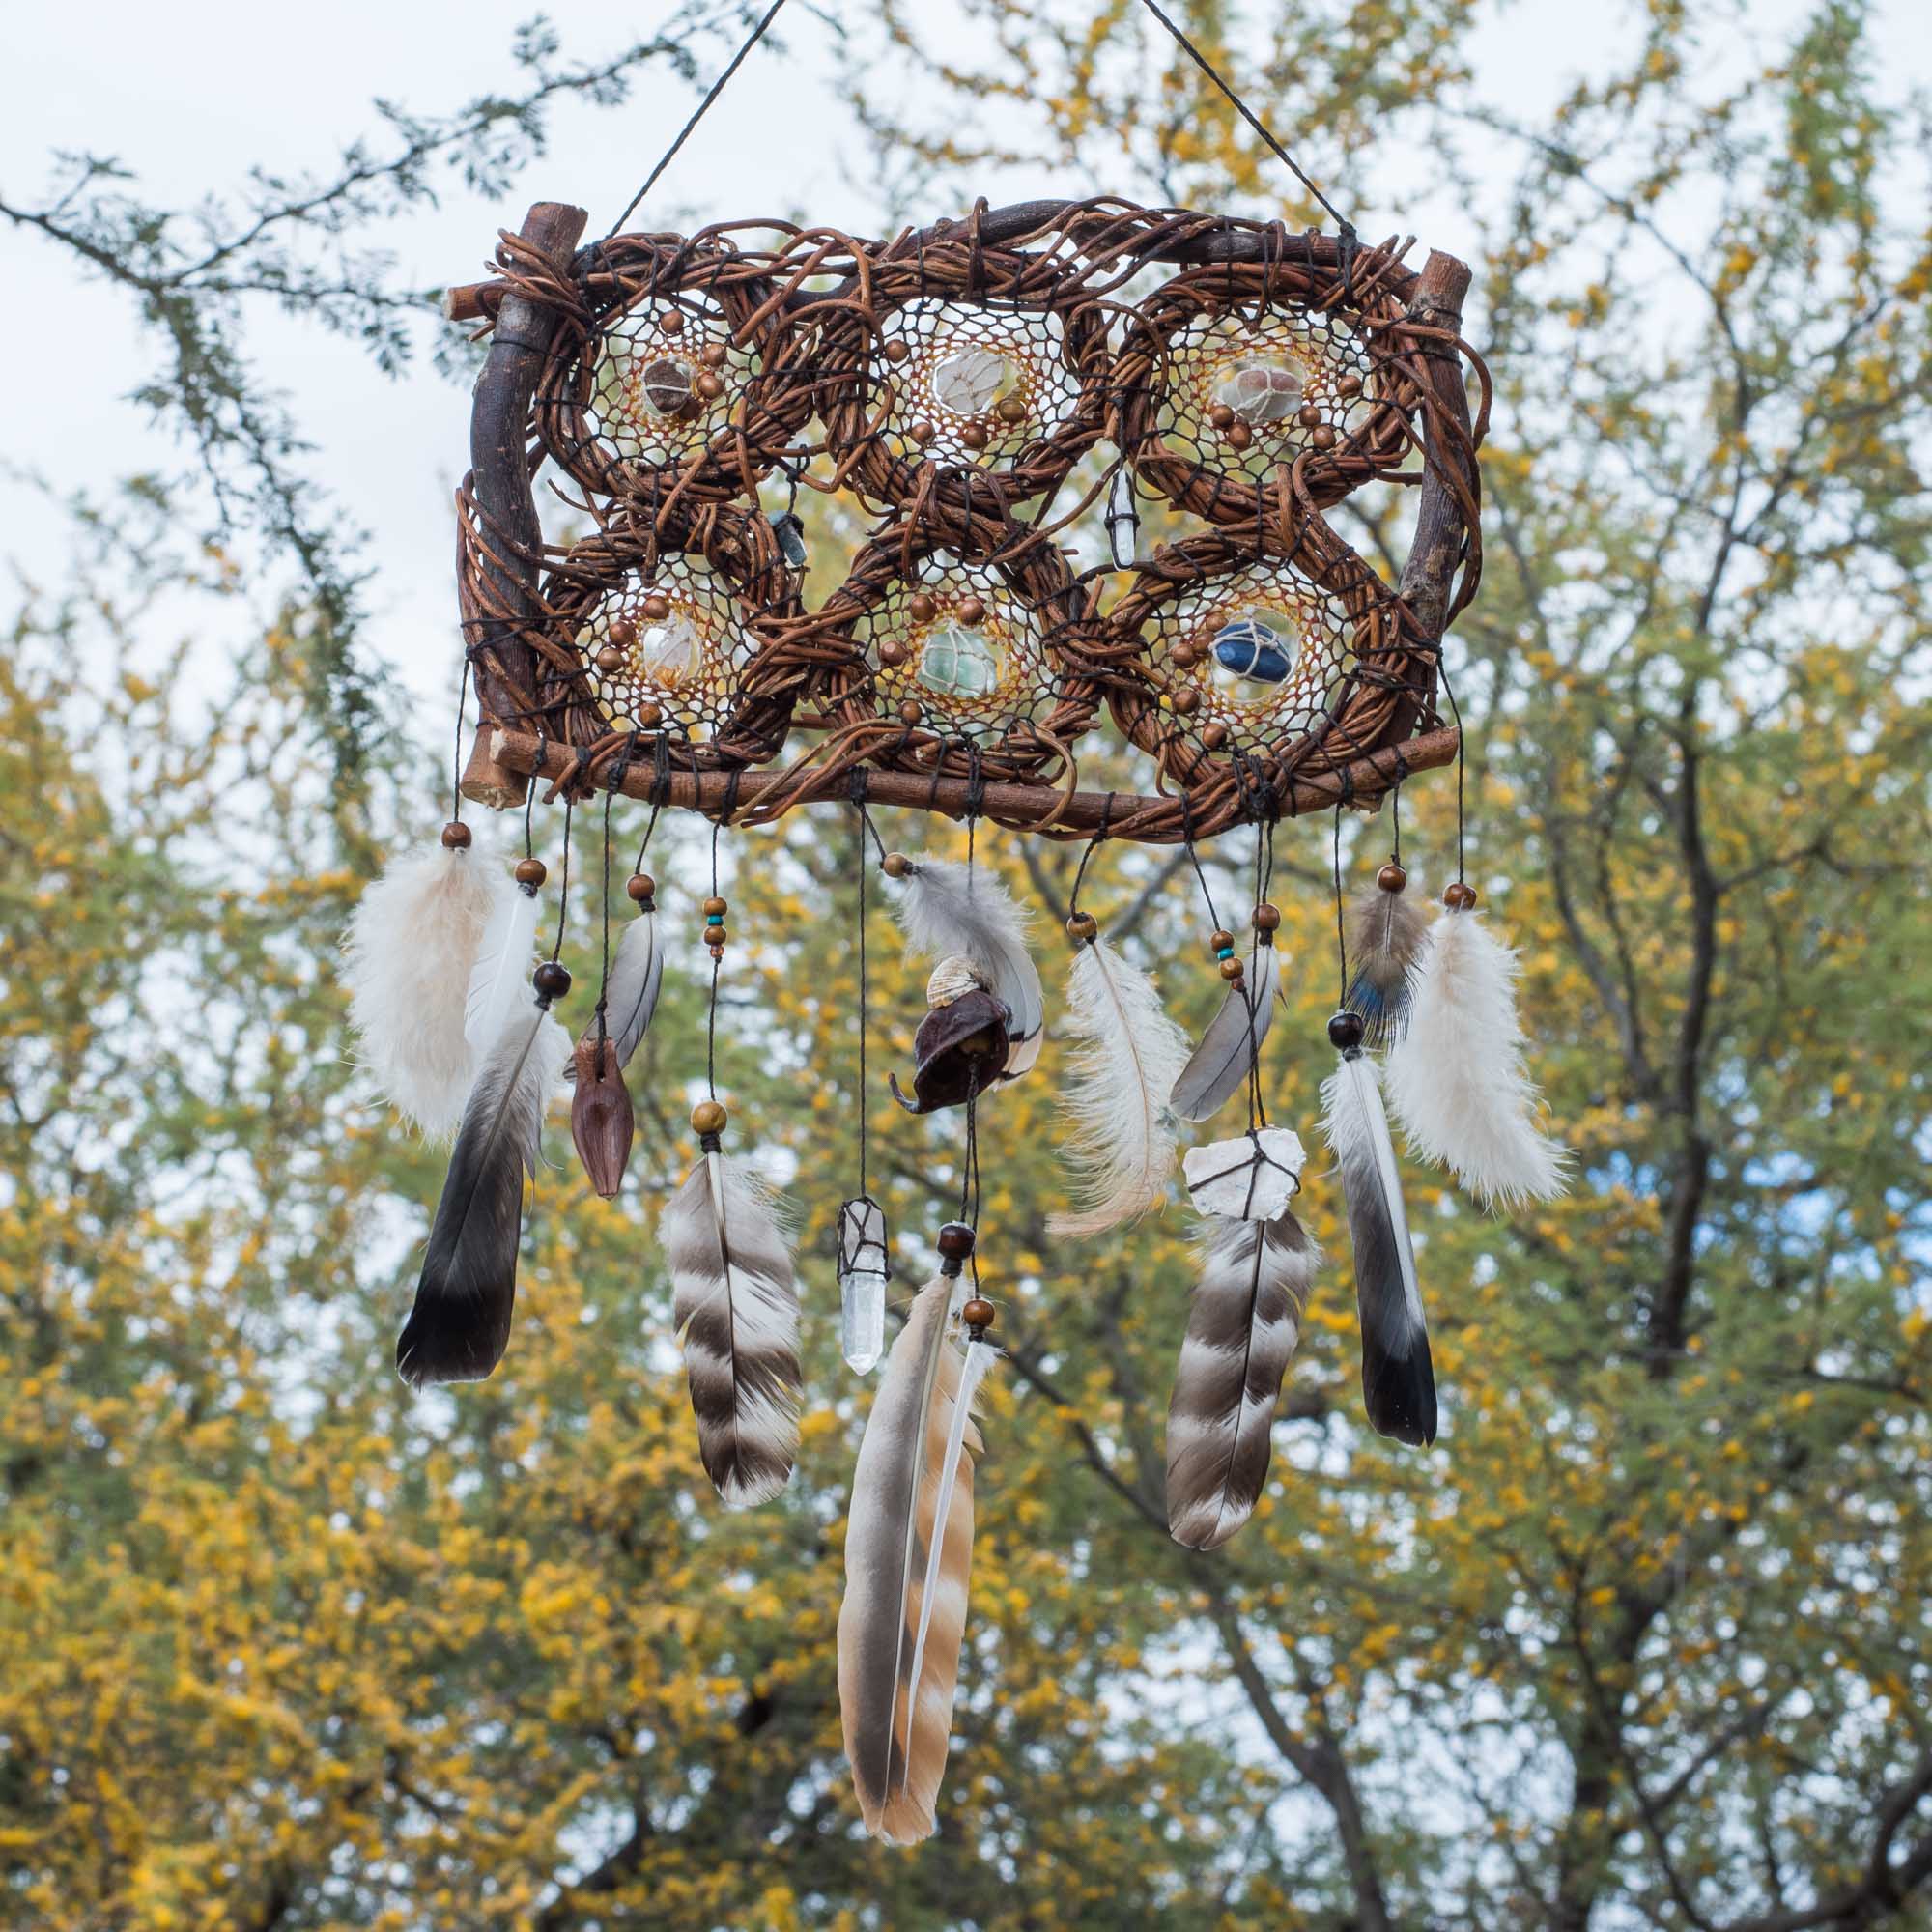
{"x": 671, "y": 651}
{"x": 862, "y": 1284}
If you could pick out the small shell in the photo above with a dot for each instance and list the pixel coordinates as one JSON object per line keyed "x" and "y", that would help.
{"x": 953, "y": 978}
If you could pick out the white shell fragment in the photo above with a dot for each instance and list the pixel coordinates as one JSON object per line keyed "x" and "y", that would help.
{"x": 969, "y": 381}
{"x": 953, "y": 978}
{"x": 1251, "y": 1179}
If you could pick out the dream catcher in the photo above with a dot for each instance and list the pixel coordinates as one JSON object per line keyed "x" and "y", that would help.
{"x": 680, "y": 391}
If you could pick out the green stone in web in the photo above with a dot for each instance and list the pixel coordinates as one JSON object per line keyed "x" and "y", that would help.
{"x": 957, "y": 662}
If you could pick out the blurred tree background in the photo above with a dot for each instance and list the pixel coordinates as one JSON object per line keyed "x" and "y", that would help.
{"x": 1643, "y": 1641}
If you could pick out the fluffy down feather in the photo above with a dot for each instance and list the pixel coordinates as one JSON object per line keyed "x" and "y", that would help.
{"x": 1458, "y": 1082}
{"x": 406, "y": 960}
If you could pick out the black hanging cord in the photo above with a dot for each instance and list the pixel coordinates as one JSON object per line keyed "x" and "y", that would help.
{"x": 1341, "y": 935}
{"x": 684, "y": 134}
{"x": 1086, "y": 857}
{"x": 456, "y": 770}
{"x": 865, "y": 1087}
{"x": 1344, "y": 226}
{"x": 717, "y": 965}
{"x": 563, "y": 877}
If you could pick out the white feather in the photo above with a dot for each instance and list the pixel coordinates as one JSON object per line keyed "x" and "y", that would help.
{"x": 503, "y": 967}
{"x": 1122, "y": 1073}
{"x": 408, "y": 954}
{"x": 944, "y": 907}
{"x": 1458, "y": 1081}
{"x": 631, "y": 997}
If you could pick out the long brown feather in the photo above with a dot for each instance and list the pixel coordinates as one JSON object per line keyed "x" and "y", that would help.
{"x": 896, "y": 1731}
{"x": 1242, "y": 1327}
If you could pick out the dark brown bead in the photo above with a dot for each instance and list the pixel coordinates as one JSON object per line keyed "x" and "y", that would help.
{"x": 1221, "y": 416}
{"x": 1232, "y": 970}
{"x": 891, "y": 655}
{"x": 979, "y": 1313}
{"x": 1322, "y": 438}
{"x": 921, "y": 608}
{"x": 656, "y": 607}
{"x": 1460, "y": 898}
{"x": 713, "y": 354}
{"x": 1082, "y": 925}
{"x": 1266, "y": 918}
{"x": 709, "y": 1117}
{"x": 970, "y": 609}
{"x": 715, "y": 936}
{"x": 671, "y": 322}
{"x": 1308, "y": 416}
{"x": 647, "y": 716}
{"x": 1184, "y": 657}
{"x": 1185, "y": 701}
{"x": 898, "y": 350}
{"x": 709, "y": 385}
{"x": 715, "y": 904}
{"x": 911, "y": 711}
{"x": 531, "y": 873}
{"x": 1392, "y": 879}
{"x": 1214, "y": 736}
{"x": 551, "y": 980}
{"x": 974, "y": 434}
{"x": 955, "y": 1240}
{"x": 1217, "y": 939}
{"x": 1346, "y": 1031}
{"x": 456, "y": 837}
{"x": 1239, "y": 435}
{"x": 642, "y": 887}
{"x": 623, "y": 632}
{"x": 1349, "y": 384}
{"x": 611, "y": 659}
{"x": 1011, "y": 409}
{"x": 895, "y": 864}
{"x": 920, "y": 432}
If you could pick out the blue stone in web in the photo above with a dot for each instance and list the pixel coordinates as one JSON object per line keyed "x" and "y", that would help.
{"x": 1249, "y": 648}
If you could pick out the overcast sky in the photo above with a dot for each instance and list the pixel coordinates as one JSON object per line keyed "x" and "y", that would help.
{"x": 191, "y": 96}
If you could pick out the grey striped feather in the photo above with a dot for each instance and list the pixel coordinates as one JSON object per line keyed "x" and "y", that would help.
{"x": 897, "y": 1723}
{"x": 1221, "y": 1064}
{"x": 1397, "y": 1379}
{"x": 736, "y": 1309}
{"x": 631, "y": 996}
{"x": 1243, "y": 1323}
{"x": 459, "y": 1323}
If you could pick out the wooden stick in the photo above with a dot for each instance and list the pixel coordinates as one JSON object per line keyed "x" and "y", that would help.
{"x": 1075, "y": 817}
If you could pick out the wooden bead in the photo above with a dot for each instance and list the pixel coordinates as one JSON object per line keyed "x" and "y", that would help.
{"x": 1392, "y": 879}
{"x": 647, "y": 716}
{"x": 642, "y": 887}
{"x": 1184, "y": 657}
{"x": 974, "y": 434}
{"x": 456, "y": 837}
{"x": 1232, "y": 970}
{"x": 1214, "y": 736}
{"x": 709, "y": 1117}
{"x": 709, "y": 385}
{"x": 1349, "y": 384}
{"x": 1239, "y": 435}
{"x": 1266, "y": 918}
{"x": 714, "y": 904}
{"x": 1322, "y": 438}
{"x": 920, "y": 432}
{"x": 1185, "y": 701}
{"x": 1309, "y": 416}
{"x": 713, "y": 354}
{"x": 911, "y": 711}
{"x": 1219, "y": 940}
{"x": 551, "y": 980}
{"x": 1221, "y": 416}
{"x": 656, "y": 607}
{"x": 891, "y": 655}
{"x": 1083, "y": 926}
{"x": 715, "y": 937}
{"x": 921, "y": 608}
{"x": 1012, "y": 411}
{"x": 979, "y": 1313}
{"x": 623, "y": 632}
{"x": 611, "y": 659}
{"x": 1460, "y": 898}
{"x": 671, "y": 322}
{"x": 531, "y": 872}
{"x": 970, "y": 609}
{"x": 898, "y": 350}
{"x": 895, "y": 864}
{"x": 955, "y": 1240}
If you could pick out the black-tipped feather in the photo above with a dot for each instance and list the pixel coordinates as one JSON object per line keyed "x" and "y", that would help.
{"x": 460, "y": 1324}
{"x": 1397, "y": 1379}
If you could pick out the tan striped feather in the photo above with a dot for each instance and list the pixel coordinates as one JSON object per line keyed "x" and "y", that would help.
{"x": 1242, "y": 1327}
{"x": 896, "y": 1730}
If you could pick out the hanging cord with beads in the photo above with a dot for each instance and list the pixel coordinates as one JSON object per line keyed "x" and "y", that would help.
{"x": 717, "y": 966}
{"x": 1264, "y": 880}
{"x": 619, "y": 772}
{"x": 1344, "y": 228}
{"x": 684, "y": 134}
